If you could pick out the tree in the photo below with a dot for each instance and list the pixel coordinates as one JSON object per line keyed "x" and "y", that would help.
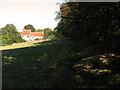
{"x": 93, "y": 22}
{"x": 10, "y": 35}
{"x": 29, "y": 27}
{"x": 47, "y": 31}
{"x": 39, "y": 30}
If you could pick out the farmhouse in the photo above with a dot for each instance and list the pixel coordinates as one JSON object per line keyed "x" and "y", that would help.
{"x": 31, "y": 36}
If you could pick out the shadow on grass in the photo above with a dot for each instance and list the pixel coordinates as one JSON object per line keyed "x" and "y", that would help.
{"x": 33, "y": 66}
{"x": 48, "y": 64}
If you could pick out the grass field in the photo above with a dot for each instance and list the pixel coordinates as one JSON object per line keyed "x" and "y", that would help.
{"x": 20, "y": 45}
{"x": 59, "y": 63}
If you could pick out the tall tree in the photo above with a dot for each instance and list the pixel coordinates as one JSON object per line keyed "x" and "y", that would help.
{"x": 90, "y": 21}
{"x": 29, "y": 27}
{"x": 10, "y": 35}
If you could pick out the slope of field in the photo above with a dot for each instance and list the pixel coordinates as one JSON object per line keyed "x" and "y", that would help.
{"x": 20, "y": 45}
{"x": 60, "y": 64}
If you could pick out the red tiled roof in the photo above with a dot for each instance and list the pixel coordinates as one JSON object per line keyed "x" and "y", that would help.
{"x": 25, "y": 32}
{"x": 36, "y": 34}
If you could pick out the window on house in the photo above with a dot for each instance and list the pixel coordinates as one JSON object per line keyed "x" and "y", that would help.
{"x": 28, "y": 36}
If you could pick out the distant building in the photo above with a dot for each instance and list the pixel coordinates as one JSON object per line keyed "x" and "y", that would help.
{"x": 31, "y": 36}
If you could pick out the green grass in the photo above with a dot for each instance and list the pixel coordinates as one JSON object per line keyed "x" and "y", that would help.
{"x": 54, "y": 64}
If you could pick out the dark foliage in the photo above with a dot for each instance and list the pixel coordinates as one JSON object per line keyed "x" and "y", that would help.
{"x": 95, "y": 23}
{"x": 29, "y": 27}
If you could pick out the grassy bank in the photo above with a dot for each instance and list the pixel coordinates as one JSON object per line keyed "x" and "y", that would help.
{"x": 60, "y": 63}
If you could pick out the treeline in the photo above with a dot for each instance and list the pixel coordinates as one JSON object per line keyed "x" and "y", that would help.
{"x": 95, "y": 23}
{"x": 10, "y": 35}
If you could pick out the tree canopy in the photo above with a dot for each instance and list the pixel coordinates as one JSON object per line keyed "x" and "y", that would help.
{"x": 10, "y": 35}
{"x": 47, "y": 31}
{"x": 29, "y": 27}
{"x": 93, "y": 22}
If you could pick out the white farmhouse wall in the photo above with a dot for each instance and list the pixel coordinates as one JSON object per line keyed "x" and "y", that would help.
{"x": 25, "y": 37}
{"x": 35, "y": 37}
{"x": 32, "y": 38}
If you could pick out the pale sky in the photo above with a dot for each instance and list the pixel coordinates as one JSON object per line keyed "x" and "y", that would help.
{"x": 39, "y": 13}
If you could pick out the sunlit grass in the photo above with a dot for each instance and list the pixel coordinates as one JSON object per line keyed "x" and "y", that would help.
{"x": 21, "y": 45}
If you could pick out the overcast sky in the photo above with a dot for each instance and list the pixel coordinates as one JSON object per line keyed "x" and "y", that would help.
{"x": 39, "y": 13}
